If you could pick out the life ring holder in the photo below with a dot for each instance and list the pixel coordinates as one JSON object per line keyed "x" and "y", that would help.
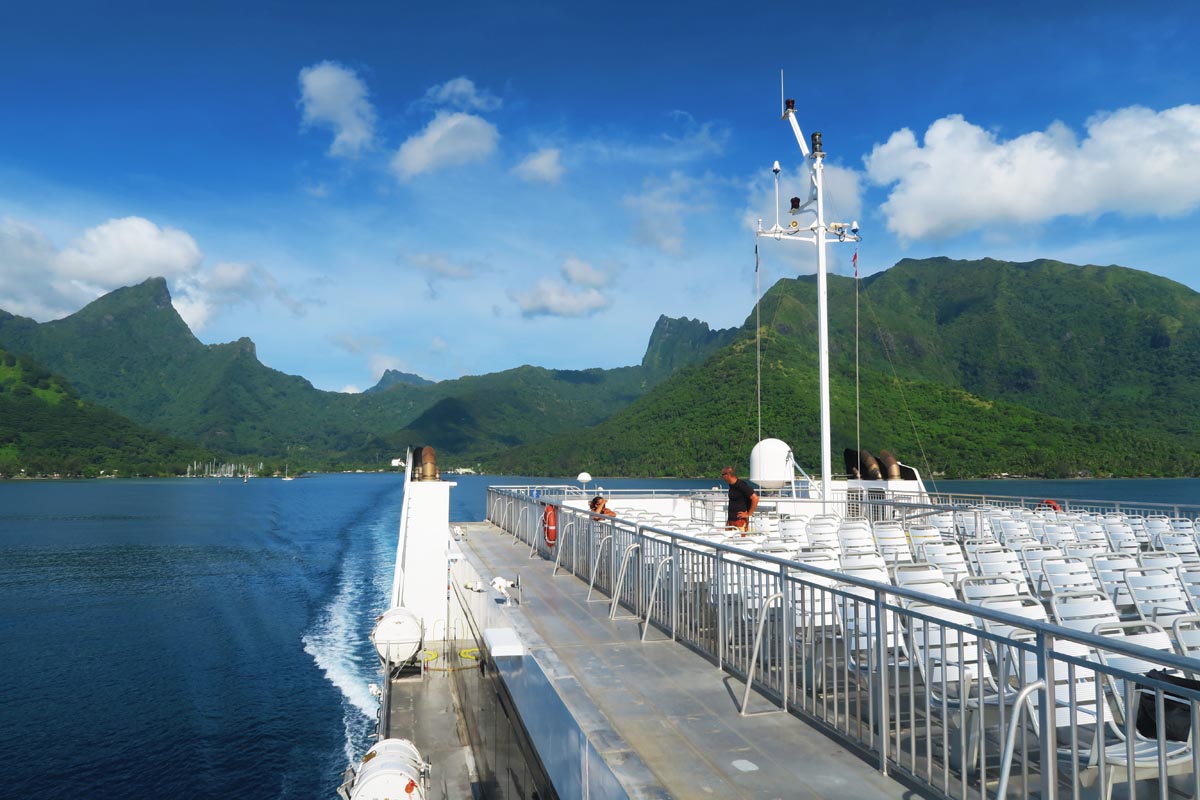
{"x": 550, "y": 525}
{"x": 1049, "y": 505}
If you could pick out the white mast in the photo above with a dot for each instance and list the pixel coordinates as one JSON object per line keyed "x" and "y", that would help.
{"x": 816, "y": 234}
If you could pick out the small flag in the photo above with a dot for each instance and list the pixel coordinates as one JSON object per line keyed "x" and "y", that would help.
{"x": 756, "y": 256}
{"x": 855, "y": 260}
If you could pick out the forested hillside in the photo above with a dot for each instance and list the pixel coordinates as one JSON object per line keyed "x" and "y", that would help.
{"x": 45, "y": 429}
{"x": 966, "y": 368}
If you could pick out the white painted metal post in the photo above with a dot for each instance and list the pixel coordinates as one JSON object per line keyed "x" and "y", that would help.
{"x": 822, "y": 329}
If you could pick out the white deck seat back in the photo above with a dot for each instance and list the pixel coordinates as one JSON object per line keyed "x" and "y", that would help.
{"x": 977, "y": 589}
{"x": 1022, "y": 606}
{"x": 1063, "y": 575}
{"x": 1185, "y": 631}
{"x": 892, "y": 542}
{"x": 1110, "y": 568}
{"x": 1057, "y": 534}
{"x": 1000, "y": 562}
{"x": 1189, "y": 579}
{"x": 1182, "y": 544}
{"x": 949, "y": 557}
{"x": 867, "y": 557}
{"x": 1031, "y": 561}
{"x": 1083, "y": 611}
{"x": 1157, "y": 593}
{"x": 1121, "y": 538}
{"x": 1160, "y": 559}
{"x": 921, "y": 535}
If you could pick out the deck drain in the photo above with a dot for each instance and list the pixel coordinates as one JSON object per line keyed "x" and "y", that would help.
{"x": 745, "y": 766}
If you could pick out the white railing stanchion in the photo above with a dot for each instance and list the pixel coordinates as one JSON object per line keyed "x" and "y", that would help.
{"x": 754, "y": 660}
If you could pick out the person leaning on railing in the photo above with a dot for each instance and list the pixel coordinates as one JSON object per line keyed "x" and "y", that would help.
{"x": 600, "y": 507}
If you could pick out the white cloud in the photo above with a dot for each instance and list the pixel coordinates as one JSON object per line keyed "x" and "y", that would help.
{"x": 198, "y": 297}
{"x": 437, "y": 345}
{"x": 440, "y": 266}
{"x": 356, "y": 344}
{"x": 545, "y": 165}
{"x": 334, "y": 97}
{"x": 450, "y": 139}
{"x": 962, "y": 177}
{"x": 582, "y": 273}
{"x": 381, "y": 363}
{"x": 29, "y": 283}
{"x": 461, "y": 93}
{"x": 549, "y": 297}
{"x": 663, "y": 206}
{"x": 694, "y": 143}
{"x": 577, "y": 294}
{"x": 350, "y": 389}
{"x": 128, "y": 250}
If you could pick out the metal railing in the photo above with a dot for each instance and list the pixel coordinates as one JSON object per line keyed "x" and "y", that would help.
{"x": 931, "y": 688}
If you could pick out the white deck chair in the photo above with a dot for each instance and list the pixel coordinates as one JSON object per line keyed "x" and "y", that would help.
{"x": 1182, "y": 544}
{"x": 1189, "y": 578}
{"x": 893, "y": 544}
{"x": 1000, "y": 562}
{"x": 1031, "y": 561}
{"x": 1083, "y": 611}
{"x": 1121, "y": 537}
{"x": 856, "y": 614}
{"x": 1076, "y": 717}
{"x": 1110, "y": 568}
{"x": 1065, "y": 575}
{"x": 921, "y": 535}
{"x": 1160, "y": 559}
{"x": 956, "y": 673}
{"x": 977, "y": 589}
{"x": 947, "y": 556}
{"x": 1185, "y": 631}
{"x": 1157, "y": 594}
{"x": 1177, "y": 755}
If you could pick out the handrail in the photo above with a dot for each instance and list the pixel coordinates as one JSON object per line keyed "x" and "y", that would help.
{"x": 653, "y": 594}
{"x": 1010, "y": 736}
{"x": 616, "y": 595}
{"x": 568, "y": 527}
{"x": 762, "y": 621}
{"x": 596, "y": 565}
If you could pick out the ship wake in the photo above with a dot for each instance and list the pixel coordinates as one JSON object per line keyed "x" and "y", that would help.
{"x": 338, "y": 641}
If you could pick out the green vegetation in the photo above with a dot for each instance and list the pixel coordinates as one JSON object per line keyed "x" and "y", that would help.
{"x": 967, "y": 368}
{"x": 45, "y": 429}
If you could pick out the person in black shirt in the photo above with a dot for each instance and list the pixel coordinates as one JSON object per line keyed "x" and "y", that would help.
{"x": 742, "y": 500}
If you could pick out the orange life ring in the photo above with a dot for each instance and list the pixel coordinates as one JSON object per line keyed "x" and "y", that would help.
{"x": 1049, "y": 504}
{"x": 550, "y": 526}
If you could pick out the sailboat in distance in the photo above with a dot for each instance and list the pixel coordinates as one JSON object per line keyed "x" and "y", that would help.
{"x": 286, "y": 477}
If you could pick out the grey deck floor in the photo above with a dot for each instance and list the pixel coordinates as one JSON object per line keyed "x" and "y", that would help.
{"x": 673, "y": 708}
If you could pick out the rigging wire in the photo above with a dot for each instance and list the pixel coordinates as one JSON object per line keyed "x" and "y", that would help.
{"x": 887, "y": 352}
{"x": 757, "y": 341}
{"x": 857, "y": 401}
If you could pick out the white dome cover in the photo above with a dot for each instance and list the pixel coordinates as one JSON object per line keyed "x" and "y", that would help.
{"x": 391, "y": 770}
{"x": 771, "y": 465}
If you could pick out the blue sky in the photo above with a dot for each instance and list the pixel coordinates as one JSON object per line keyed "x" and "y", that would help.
{"x": 460, "y": 189}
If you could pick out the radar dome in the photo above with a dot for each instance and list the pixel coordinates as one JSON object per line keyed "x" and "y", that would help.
{"x": 771, "y": 465}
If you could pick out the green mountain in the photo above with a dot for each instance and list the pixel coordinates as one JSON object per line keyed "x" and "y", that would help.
{"x": 131, "y": 352}
{"x": 391, "y": 377}
{"x": 45, "y": 429}
{"x": 967, "y": 368}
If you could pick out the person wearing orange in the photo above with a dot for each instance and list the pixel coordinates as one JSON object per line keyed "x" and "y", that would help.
{"x": 599, "y": 506}
{"x": 742, "y": 500}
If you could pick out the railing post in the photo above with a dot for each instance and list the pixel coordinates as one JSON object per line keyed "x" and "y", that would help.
{"x": 879, "y": 708}
{"x": 1048, "y": 733}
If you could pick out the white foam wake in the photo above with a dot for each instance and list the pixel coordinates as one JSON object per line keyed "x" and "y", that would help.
{"x": 338, "y": 641}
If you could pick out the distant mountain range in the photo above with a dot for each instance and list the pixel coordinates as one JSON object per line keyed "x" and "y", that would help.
{"x": 131, "y": 352}
{"x": 966, "y": 368}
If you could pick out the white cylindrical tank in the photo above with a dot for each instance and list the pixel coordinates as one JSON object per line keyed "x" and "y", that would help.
{"x": 391, "y": 770}
{"x": 397, "y": 635}
{"x": 771, "y": 464}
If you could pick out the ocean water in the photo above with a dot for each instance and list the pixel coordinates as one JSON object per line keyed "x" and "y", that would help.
{"x": 205, "y": 638}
